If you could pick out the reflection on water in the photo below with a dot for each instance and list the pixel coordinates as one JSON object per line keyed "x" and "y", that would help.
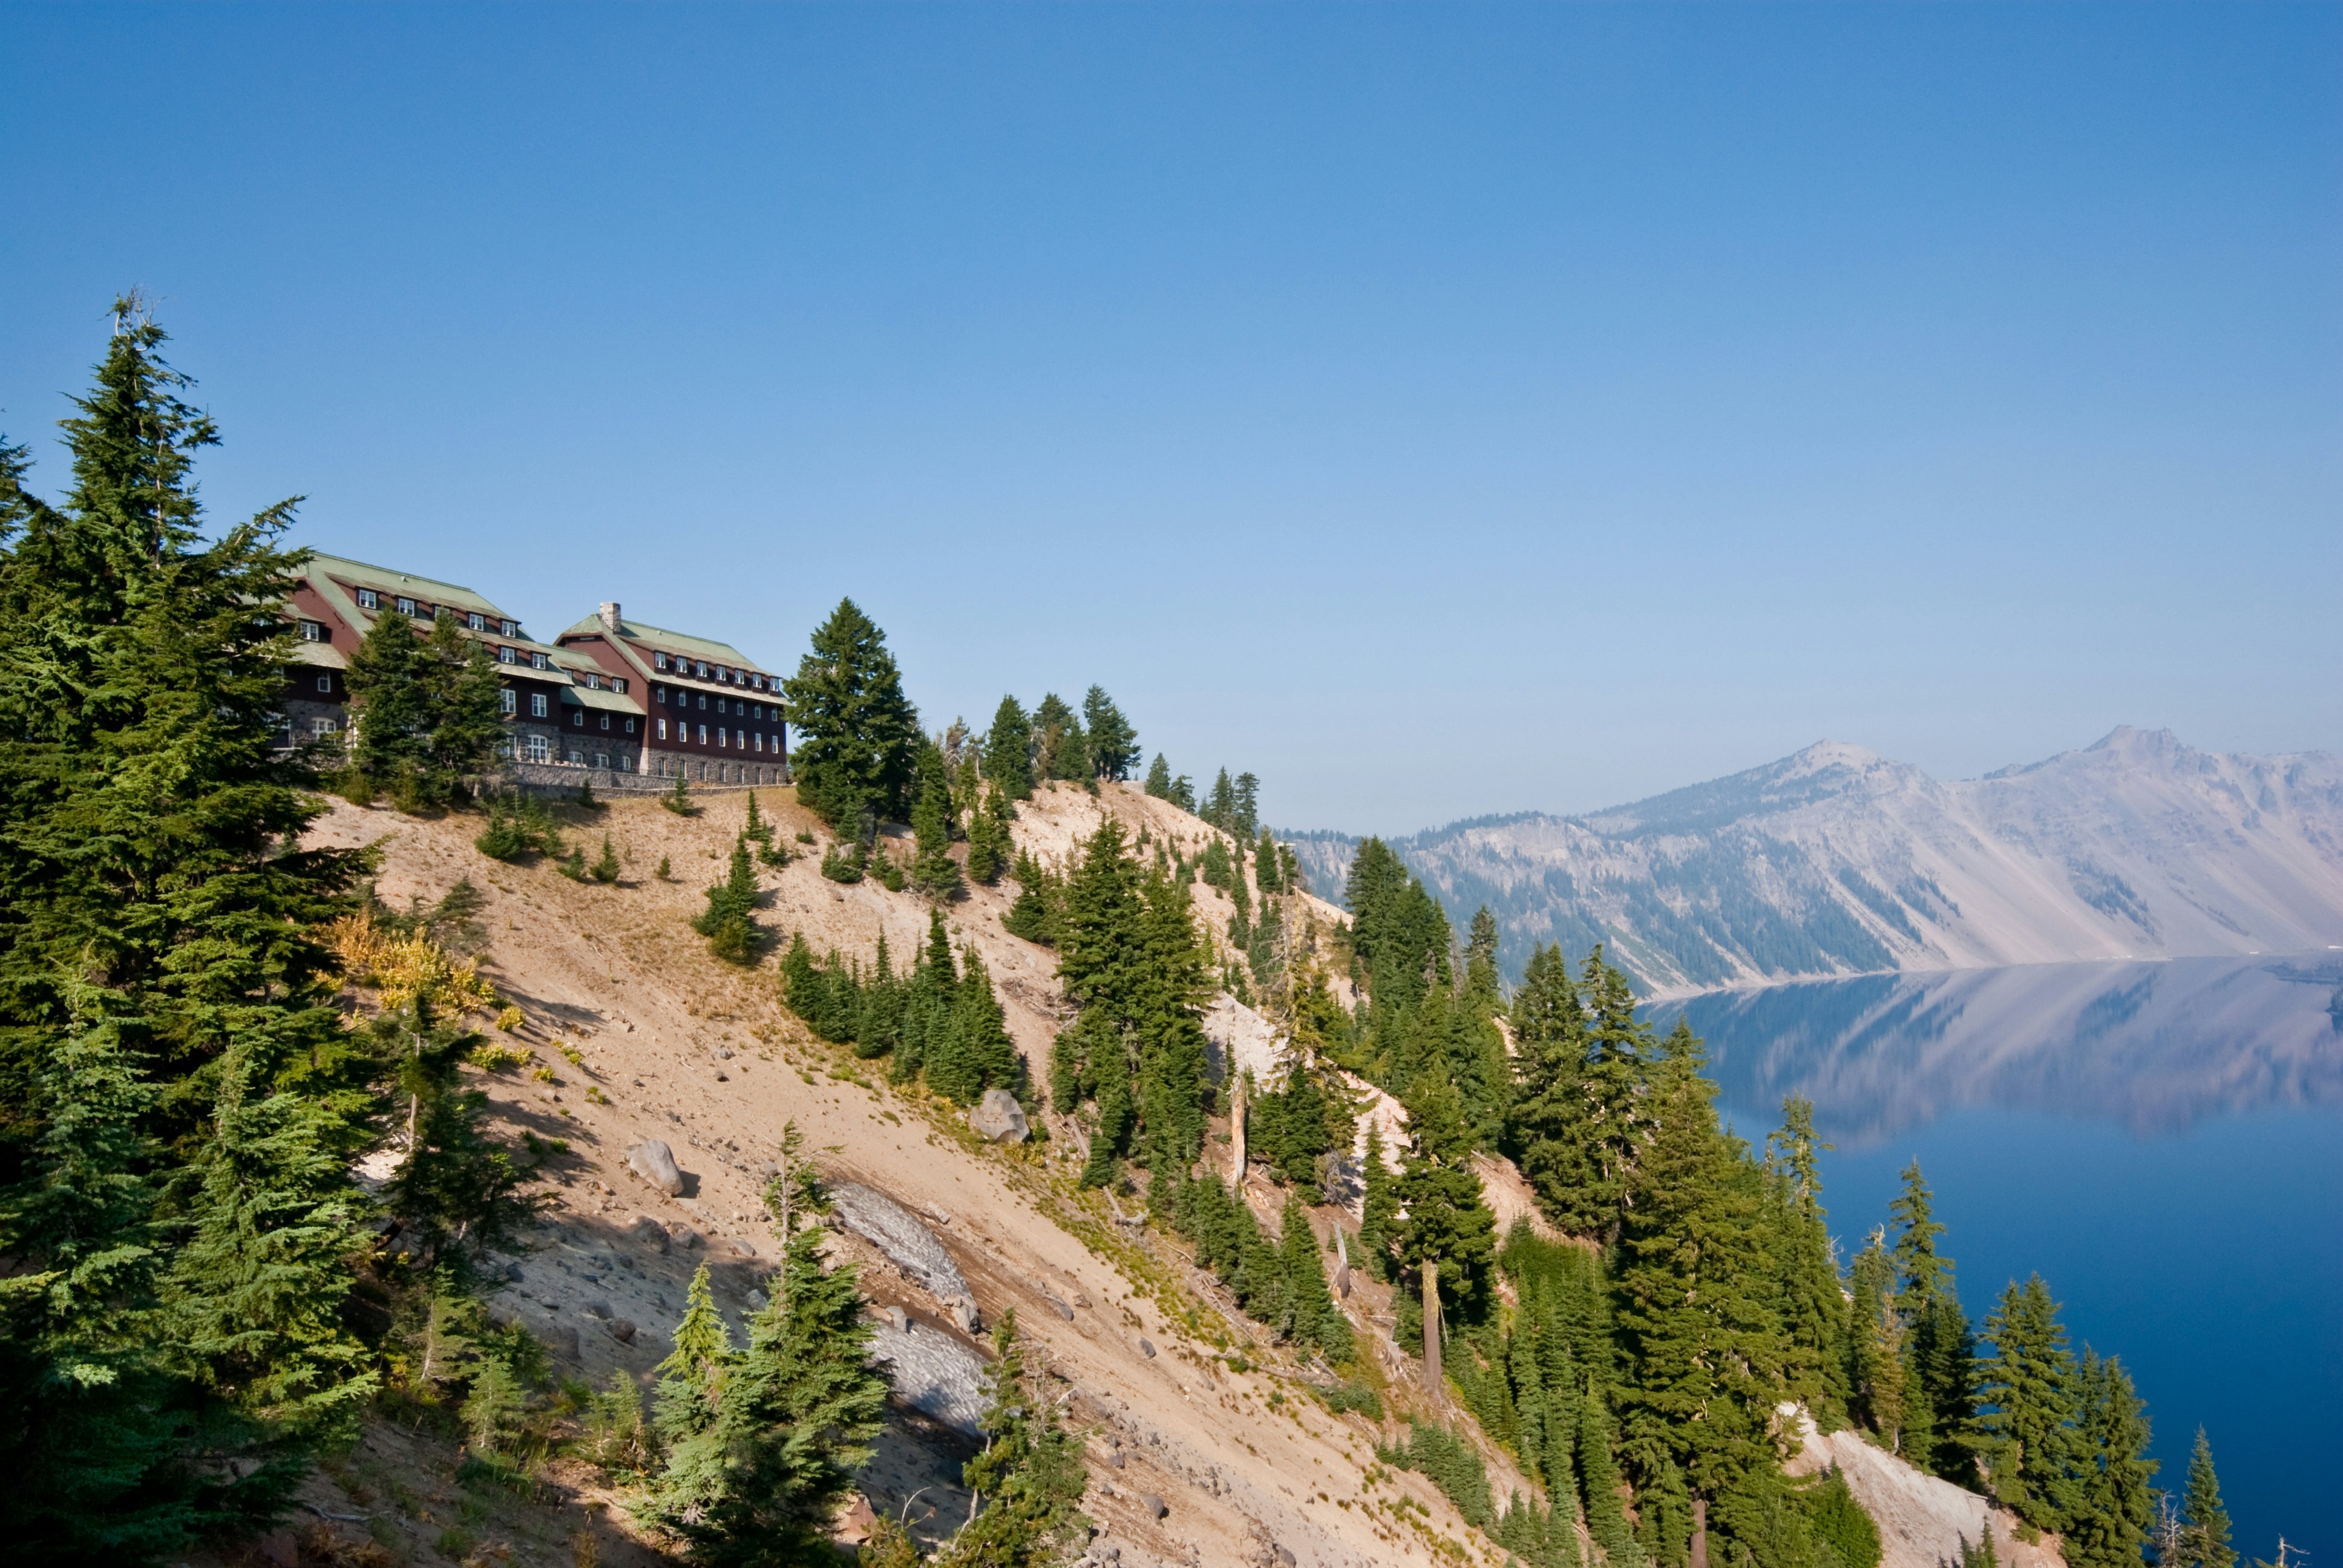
{"x": 2155, "y": 1047}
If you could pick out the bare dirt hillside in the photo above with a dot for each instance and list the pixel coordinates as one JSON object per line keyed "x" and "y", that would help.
{"x": 671, "y": 1044}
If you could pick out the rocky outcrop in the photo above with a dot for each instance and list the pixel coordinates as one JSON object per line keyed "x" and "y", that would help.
{"x": 1922, "y": 1520}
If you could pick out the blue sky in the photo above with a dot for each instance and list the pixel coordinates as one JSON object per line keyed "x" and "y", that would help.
{"x": 1437, "y": 410}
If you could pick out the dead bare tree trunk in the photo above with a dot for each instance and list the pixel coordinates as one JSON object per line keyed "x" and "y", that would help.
{"x": 1699, "y": 1532}
{"x": 1237, "y": 1121}
{"x": 1432, "y": 1381}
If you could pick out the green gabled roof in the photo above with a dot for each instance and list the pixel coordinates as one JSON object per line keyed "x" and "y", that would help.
{"x": 600, "y": 696}
{"x": 663, "y": 641}
{"x": 364, "y": 574}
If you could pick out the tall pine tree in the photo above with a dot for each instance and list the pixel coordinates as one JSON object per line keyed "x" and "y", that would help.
{"x": 858, "y": 736}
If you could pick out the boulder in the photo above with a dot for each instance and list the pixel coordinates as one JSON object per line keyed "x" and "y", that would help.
{"x": 1152, "y": 1505}
{"x": 621, "y": 1330}
{"x": 654, "y": 1161}
{"x": 998, "y": 1118}
{"x": 646, "y": 1230}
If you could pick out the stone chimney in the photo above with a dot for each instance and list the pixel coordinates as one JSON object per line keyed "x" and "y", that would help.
{"x": 610, "y": 613}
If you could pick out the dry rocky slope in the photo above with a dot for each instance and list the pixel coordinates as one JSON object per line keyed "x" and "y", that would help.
{"x": 638, "y": 1034}
{"x": 1837, "y": 860}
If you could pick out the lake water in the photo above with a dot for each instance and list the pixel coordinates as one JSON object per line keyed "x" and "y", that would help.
{"x": 2162, "y": 1142}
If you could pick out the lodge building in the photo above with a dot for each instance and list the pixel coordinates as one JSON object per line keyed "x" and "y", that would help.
{"x": 605, "y": 694}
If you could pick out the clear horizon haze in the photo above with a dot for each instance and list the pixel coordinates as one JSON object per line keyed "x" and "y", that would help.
{"x": 1438, "y": 411}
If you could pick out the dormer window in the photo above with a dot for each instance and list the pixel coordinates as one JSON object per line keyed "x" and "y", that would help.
{"x": 504, "y": 656}
{"x": 477, "y": 621}
{"x": 593, "y": 682}
{"x": 314, "y": 632}
{"x": 619, "y": 684}
{"x": 538, "y": 660}
{"x": 369, "y": 599}
{"x": 702, "y": 671}
{"x": 658, "y": 661}
{"x": 405, "y": 605}
{"x": 509, "y": 628}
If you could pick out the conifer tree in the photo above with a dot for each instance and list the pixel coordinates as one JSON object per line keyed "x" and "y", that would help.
{"x": 1114, "y": 744}
{"x": 1009, "y": 751}
{"x": 976, "y": 1052}
{"x": 1447, "y": 1237}
{"x": 1158, "y": 777}
{"x": 2114, "y": 1506}
{"x": 1220, "y": 805}
{"x": 155, "y": 916}
{"x": 858, "y": 736}
{"x": 989, "y": 842}
{"x": 456, "y": 1192}
{"x": 730, "y": 921}
{"x": 690, "y": 1397}
{"x": 390, "y": 701}
{"x": 1379, "y": 1205}
{"x": 1699, "y": 1334}
{"x": 606, "y": 869}
{"x": 2205, "y": 1529}
{"x": 1311, "y": 1316}
{"x": 795, "y": 1416}
{"x": 1030, "y": 1479}
{"x": 254, "y": 1297}
{"x": 933, "y": 870}
{"x": 2030, "y": 1393}
{"x": 1061, "y": 749}
{"x": 1813, "y": 1306}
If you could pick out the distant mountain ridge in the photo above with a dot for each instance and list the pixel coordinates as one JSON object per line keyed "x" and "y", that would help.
{"x": 1837, "y": 860}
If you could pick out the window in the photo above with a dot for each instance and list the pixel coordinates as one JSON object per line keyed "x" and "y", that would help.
{"x": 405, "y": 605}
{"x": 719, "y": 705}
{"x": 509, "y": 700}
{"x": 577, "y": 757}
{"x": 477, "y": 621}
{"x": 720, "y": 737}
{"x": 761, "y": 743}
{"x": 536, "y": 704}
{"x": 703, "y": 702}
{"x": 663, "y": 729}
{"x": 658, "y": 661}
{"x": 658, "y": 694}
{"x": 538, "y": 751}
{"x": 509, "y": 628}
{"x": 722, "y": 673}
{"x": 606, "y": 721}
{"x": 324, "y": 683}
{"x": 703, "y": 735}
{"x": 619, "y": 684}
{"x": 593, "y": 682}
{"x": 311, "y": 631}
{"x": 504, "y": 656}
{"x": 702, "y": 671}
{"x": 756, "y": 682}
{"x": 505, "y": 748}
{"x": 540, "y": 662}
{"x": 323, "y": 727}
{"x": 601, "y": 759}
{"x": 579, "y": 719}
{"x": 369, "y": 599}
{"x": 631, "y": 727}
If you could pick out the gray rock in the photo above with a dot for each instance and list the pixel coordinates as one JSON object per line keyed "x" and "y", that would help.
{"x": 908, "y": 1244}
{"x": 683, "y": 1236}
{"x": 562, "y": 1339}
{"x": 1147, "y": 1348}
{"x": 1284, "y": 1557}
{"x": 900, "y": 1319}
{"x": 1154, "y": 1505}
{"x": 597, "y": 1308}
{"x": 621, "y": 1330}
{"x": 963, "y": 1313}
{"x": 646, "y": 1228}
{"x": 998, "y": 1118}
{"x": 1059, "y": 1307}
{"x": 655, "y": 1163}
